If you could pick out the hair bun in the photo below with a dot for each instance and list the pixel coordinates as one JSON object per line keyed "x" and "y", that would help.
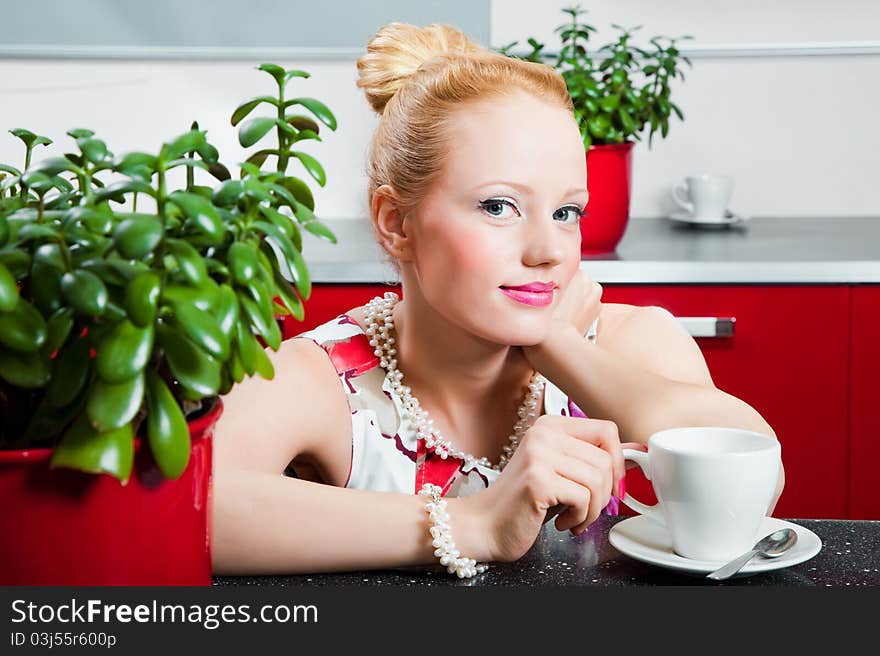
{"x": 398, "y": 50}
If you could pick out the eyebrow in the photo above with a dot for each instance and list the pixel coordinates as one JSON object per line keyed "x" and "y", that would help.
{"x": 523, "y": 187}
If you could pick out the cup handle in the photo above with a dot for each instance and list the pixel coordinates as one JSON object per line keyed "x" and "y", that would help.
{"x": 641, "y": 459}
{"x": 680, "y": 196}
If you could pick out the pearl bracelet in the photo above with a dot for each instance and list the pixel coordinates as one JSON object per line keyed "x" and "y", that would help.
{"x": 444, "y": 545}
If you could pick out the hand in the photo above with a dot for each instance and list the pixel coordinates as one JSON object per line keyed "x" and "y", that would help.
{"x": 580, "y": 303}
{"x": 561, "y": 461}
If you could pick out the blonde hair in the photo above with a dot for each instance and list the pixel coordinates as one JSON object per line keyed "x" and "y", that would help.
{"x": 415, "y": 79}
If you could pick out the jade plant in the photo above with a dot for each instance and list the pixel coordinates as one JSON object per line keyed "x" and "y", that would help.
{"x": 618, "y": 89}
{"x": 127, "y": 303}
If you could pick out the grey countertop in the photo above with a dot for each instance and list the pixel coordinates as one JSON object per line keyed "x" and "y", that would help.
{"x": 804, "y": 250}
{"x": 850, "y": 556}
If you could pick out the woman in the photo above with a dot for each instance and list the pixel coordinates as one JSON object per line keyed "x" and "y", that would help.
{"x": 476, "y": 175}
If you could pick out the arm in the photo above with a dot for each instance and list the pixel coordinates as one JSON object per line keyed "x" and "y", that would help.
{"x": 646, "y": 375}
{"x": 264, "y": 522}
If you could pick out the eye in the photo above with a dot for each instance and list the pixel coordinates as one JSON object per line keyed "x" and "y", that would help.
{"x": 493, "y": 205}
{"x": 574, "y": 212}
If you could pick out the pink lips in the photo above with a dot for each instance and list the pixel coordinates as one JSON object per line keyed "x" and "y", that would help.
{"x": 535, "y": 293}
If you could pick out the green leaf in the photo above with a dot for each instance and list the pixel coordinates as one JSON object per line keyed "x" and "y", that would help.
{"x": 260, "y": 156}
{"x": 316, "y": 107}
{"x": 124, "y": 352}
{"x": 247, "y": 345}
{"x": 37, "y": 231}
{"x": 117, "y": 190}
{"x": 204, "y": 298}
{"x": 219, "y": 171}
{"x": 142, "y": 298}
{"x": 260, "y": 321}
{"x": 190, "y": 261}
{"x": 70, "y": 371}
{"x": 80, "y": 133}
{"x": 294, "y": 73}
{"x": 54, "y": 166}
{"x": 45, "y": 286}
{"x": 18, "y": 262}
{"x": 254, "y": 130}
{"x": 22, "y": 328}
{"x": 228, "y": 193}
{"x": 235, "y": 366}
{"x": 312, "y": 166}
{"x": 112, "y": 406}
{"x": 242, "y": 262}
{"x": 203, "y": 329}
{"x": 202, "y": 213}
{"x": 25, "y": 370}
{"x": 227, "y": 312}
{"x": 8, "y": 290}
{"x": 302, "y": 123}
{"x": 135, "y": 161}
{"x": 58, "y": 327}
{"x": 264, "y": 364}
{"x": 84, "y": 292}
{"x": 191, "y": 141}
{"x": 196, "y": 371}
{"x": 137, "y": 236}
{"x": 274, "y": 70}
{"x": 94, "y": 150}
{"x": 167, "y": 430}
{"x": 288, "y": 296}
{"x": 29, "y": 138}
{"x": 320, "y": 230}
{"x": 246, "y": 108}
{"x": 83, "y": 447}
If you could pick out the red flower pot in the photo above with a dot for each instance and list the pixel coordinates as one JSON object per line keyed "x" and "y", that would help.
{"x": 66, "y": 527}
{"x": 609, "y": 182}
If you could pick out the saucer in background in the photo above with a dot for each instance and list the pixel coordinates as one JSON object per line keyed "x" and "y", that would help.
{"x": 686, "y": 217}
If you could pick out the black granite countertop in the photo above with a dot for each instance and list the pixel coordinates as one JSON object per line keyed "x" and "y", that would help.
{"x": 850, "y": 556}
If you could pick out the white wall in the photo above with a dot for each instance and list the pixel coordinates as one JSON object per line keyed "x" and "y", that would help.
{"x": 799, "y": 133}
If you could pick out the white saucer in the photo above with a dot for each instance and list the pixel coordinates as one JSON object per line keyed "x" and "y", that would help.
{"x": 647, "y": 540}
{"x": 687, "y": 217}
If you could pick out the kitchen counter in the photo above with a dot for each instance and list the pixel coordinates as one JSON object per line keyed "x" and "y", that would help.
{"x": 850, "y": 556}
{"x": 806, "y": 250}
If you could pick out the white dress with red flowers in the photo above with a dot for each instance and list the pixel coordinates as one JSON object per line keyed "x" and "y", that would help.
{"x": 385, "y": 454}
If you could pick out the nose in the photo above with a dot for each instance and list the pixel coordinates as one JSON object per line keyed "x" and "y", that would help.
{"x": 545, "y": 242}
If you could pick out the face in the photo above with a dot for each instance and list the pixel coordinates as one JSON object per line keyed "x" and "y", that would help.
{"x": 504, "y": 213}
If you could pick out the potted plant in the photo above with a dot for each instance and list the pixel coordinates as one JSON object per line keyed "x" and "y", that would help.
{"x": 128, "y": 307}
{"x": 618, "y": 90}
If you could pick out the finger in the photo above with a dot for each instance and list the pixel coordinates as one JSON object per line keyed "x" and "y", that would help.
{"x": 593, "y": 480}
{"x": 577, "y": 503}
{"x": 599, "y": 432}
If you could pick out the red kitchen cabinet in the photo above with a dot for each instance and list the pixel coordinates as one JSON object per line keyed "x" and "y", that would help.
{"x": 864, "y": 456}
{"x": 788, "y": 358}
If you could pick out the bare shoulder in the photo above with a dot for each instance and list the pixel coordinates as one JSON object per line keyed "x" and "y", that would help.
{"x": 652, "y": 337}
{"x": 302, "y": 412}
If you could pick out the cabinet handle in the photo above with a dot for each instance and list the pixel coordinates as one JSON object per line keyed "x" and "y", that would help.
{"x": 708, "y": 326}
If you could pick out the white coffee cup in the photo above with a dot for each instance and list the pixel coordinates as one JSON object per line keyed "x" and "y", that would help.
{"x": 705, "y": 197}
{"x": 714, "y": 486}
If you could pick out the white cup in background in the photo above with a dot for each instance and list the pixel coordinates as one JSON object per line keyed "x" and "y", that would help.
{"x": 714, "y": 487}
{"x": 705, "y": 196}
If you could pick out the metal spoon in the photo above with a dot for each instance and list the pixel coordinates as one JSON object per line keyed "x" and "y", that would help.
{"x": 771, "y": 546}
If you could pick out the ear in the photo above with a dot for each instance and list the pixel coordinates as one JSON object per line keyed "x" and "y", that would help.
{"x": 389, "y": 224}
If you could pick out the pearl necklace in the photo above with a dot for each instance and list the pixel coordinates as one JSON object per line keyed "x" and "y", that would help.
{"x": 382, "y": 341}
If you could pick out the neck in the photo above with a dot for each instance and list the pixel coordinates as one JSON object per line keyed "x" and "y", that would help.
{"x": 452, "y": 371}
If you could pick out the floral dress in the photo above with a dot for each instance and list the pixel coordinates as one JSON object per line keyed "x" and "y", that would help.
{"x": 385, "y": 453}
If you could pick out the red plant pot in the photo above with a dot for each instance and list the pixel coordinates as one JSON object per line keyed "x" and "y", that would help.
{"x": 609, "y": 182}
{"x": 66, "y": 527}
